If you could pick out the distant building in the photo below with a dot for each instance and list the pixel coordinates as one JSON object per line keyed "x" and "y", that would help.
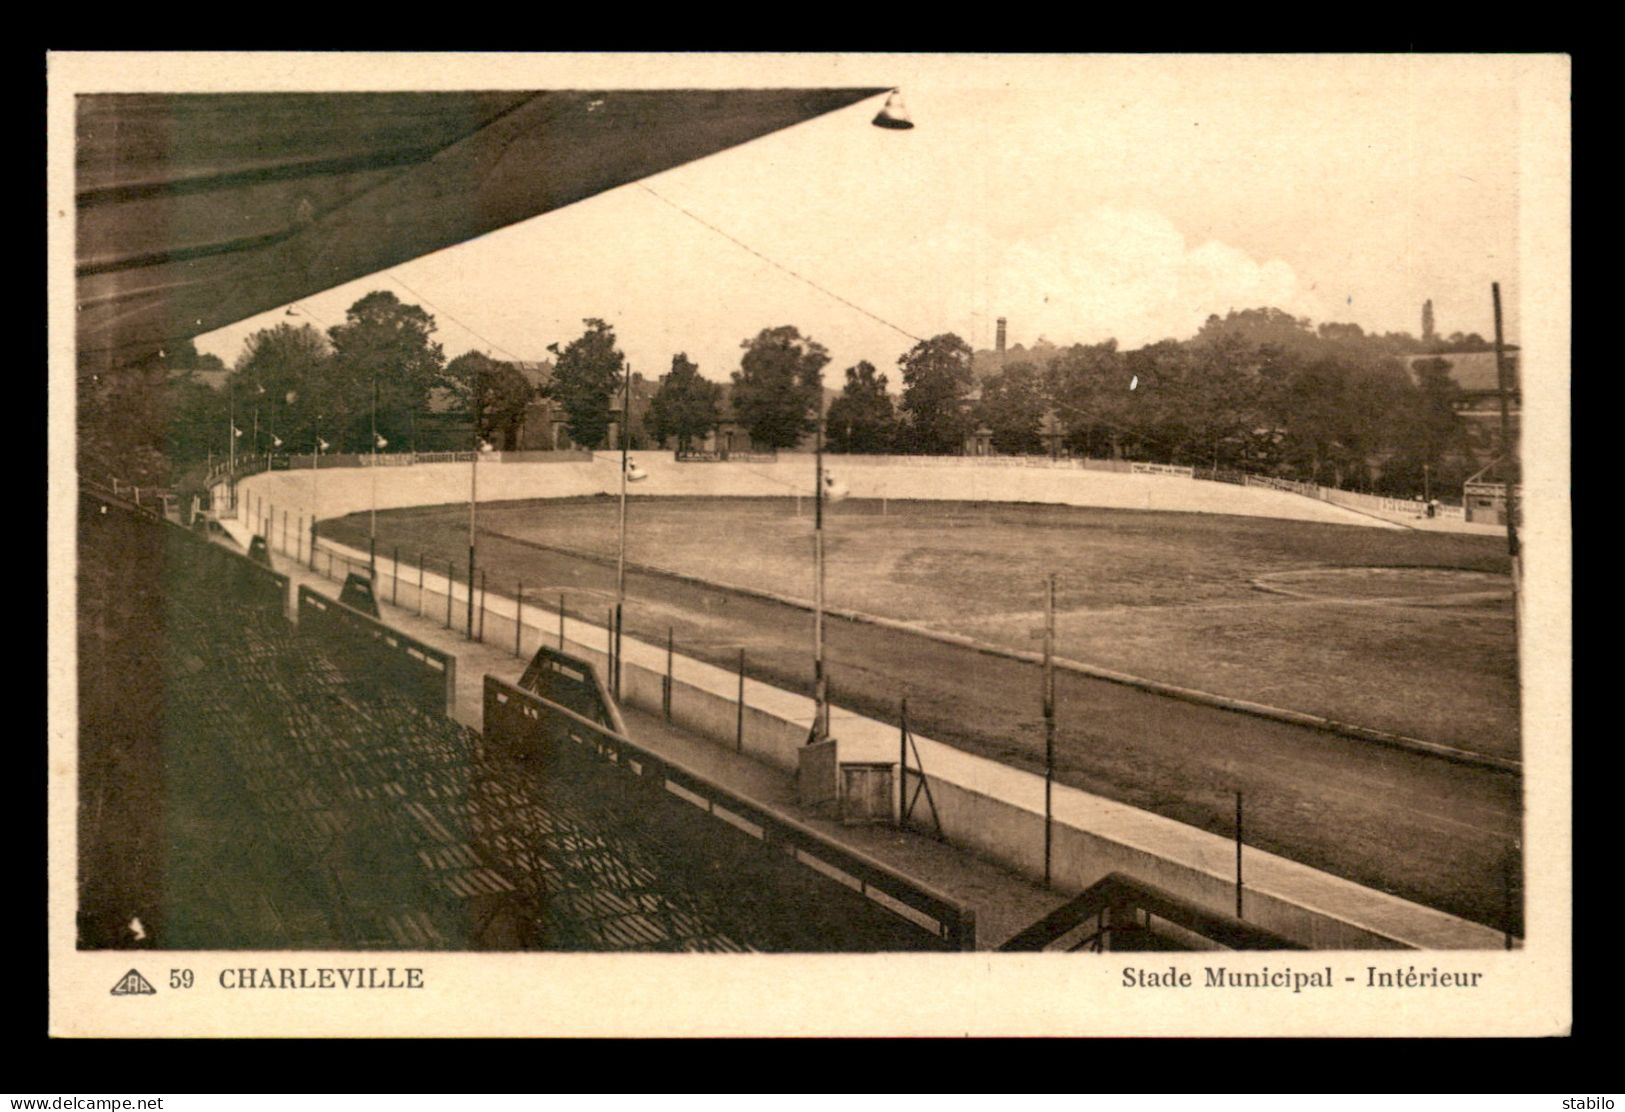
{"x": 1485, "y": 497}
{"x": 1479, "y": 403}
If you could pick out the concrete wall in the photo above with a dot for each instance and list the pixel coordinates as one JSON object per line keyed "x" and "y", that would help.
{"x": 337, "y": 491}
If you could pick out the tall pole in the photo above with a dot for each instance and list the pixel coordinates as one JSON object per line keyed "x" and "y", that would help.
{"x": 231, "y": 443}
{"x": 372, "y": 511}
{"x": 473, "y": 494}
{"x": 620, "y": 558}
{"x": 820, "y": 689}
{"x": 1508, "y": 453}
{"x": 315, "y": 472}
{"x": 1238, "y": 855}
{"x": 1049, "y": 720}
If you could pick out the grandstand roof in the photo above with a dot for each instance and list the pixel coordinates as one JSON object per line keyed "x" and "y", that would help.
{"x": 196, "y": 211}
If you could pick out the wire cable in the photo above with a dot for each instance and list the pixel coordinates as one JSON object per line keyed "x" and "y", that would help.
{"x": 487, "y": 342}
{"x": 774, "y": 263}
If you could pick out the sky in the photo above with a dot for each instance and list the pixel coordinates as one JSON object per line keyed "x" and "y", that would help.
{"x": 1082, "y": 198}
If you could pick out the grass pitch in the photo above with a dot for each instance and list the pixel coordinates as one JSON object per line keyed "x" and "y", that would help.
{"x": 1182, "y": 598}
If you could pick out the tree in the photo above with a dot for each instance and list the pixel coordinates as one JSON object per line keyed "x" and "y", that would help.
{"x": 498, "y": 392}
{"x": 1430, "y": 435}
{"x": 145, "y": 421}
{"x": 779, "y": 386}
{"x": 862, "y": 419}
{"x": 184, "y": 355}
{"x": 685, "y": 407}
{"x": 1012, "y": 407}
{"x": 1220, "y": 403}
{"x": 383, "y": 345}
{"x": 1257, "y": 327}
{"x": 292, "y": 366}
{"x": 1089, "y": 385}
{"x": 937, "y": 380}
{"x": 586, "y": 379}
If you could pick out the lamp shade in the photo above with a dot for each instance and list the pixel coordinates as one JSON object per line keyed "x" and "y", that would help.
{"x": 893, "y": 114}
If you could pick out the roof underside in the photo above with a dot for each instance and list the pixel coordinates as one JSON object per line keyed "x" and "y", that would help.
{"x": 195, "y": 211}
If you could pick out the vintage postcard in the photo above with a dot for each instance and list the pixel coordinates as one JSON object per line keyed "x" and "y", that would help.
{"x": 693, "y": 545}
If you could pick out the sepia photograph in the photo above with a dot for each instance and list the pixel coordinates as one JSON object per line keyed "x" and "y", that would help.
{"x": 583, "y": 521}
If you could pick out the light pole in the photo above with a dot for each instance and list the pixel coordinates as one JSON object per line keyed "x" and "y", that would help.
{"x": 315, "y": 472}
{"x": 473, "y": 489}
{"x": 372, "y": 511}
{"x": 1508, "y": 453}
{"x": 231, "y": 428}
{"x": 259, "y": 388}
{"x": 1048, "y": 683}
{"x": 620, "y": 557}
{"x": 820, "y": 730}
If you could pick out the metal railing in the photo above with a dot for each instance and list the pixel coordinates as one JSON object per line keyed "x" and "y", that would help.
{"x": 1108, "y": 916}
{"x": 515, "y": 719}
{"x": 380, "y": 654}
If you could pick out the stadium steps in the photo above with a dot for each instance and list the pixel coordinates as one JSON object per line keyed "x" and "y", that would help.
{"x": 1004, "y": 902}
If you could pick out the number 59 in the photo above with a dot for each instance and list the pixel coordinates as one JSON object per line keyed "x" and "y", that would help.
{"x": 180, "y": 978}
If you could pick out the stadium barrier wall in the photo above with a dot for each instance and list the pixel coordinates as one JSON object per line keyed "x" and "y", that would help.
{"x": 1064, "y": 463}
{"x": 869, "y": 476}
{"x": 1379, "y": 504}
{"x": 338, "y": 491}
{"x": 380, "y": 653}
{"x": 222, "y": 572}
{"x": 1162, "y": 469}
{"x": 205, "y": 566}
{"x": 515, "y": 718}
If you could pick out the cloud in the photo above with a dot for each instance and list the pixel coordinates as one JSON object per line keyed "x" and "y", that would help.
{"x": 1123, "y": 272}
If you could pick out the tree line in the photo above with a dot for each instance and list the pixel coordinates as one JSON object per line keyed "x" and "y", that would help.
{"x": 1258, "y": 390}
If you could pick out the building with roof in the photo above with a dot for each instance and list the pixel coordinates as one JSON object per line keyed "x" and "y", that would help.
{"x": 1479, "y": 401}
{"x": 1491, "y": 493}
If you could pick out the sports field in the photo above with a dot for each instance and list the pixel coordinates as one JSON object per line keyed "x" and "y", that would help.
{"x": 1401, "y": 631}
{"x": 1396, "y": 630}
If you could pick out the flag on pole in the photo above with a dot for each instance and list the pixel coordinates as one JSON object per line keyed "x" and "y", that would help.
{"x": 235, "y": 431}
{"x": 485, "y": 446}
{"x": 382, "y": 443}
{"x": 322, "y": 445}
{"x": 276, "y": 441}
{"x": 259, "y": 388}
{"x": 834, "y": 491}
{"x": 634, "y": 473}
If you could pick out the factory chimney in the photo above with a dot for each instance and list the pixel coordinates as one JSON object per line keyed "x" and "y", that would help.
{"x": 998, "y": 343}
